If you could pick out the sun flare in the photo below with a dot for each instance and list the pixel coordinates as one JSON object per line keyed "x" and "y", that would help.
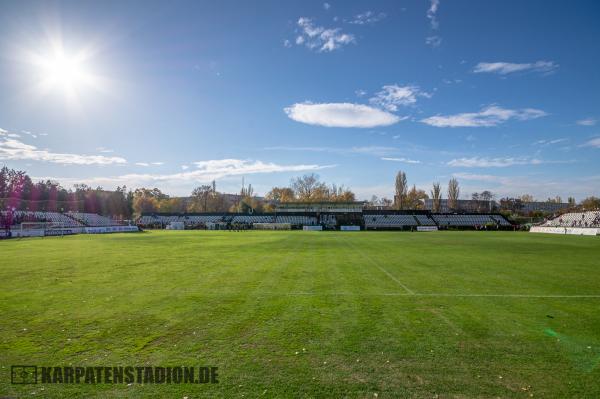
{"x": 64, "y": 72}
{"x": 59, "y": 70}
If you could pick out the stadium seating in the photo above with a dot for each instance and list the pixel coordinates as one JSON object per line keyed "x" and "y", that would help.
{"x": 68, "y": 219}
{"x": 468, "y": 220}
{"x": 92, "y": 220}
{"x": 299, "y": 220}
{"x": 398, "y": 221}
{"x": 253, "y": 219}
{"x": 190, "y": 220}
{"x": 425, "y": 220}
{"x": 575, "y": 219}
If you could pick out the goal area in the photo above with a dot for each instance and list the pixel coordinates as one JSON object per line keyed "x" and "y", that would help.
{"x": 40, "y": 229}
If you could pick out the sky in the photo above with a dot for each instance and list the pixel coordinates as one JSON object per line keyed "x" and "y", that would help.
{"x": 503, "y": 95}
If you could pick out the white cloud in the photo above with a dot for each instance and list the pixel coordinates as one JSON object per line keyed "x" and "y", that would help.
{"x": 489, "y": 116}
{"x": 550, "y": 142}
{"x": 593, "y": 143}
{"x": 404, "y": 160}
{"x": 505, "y": 68}
{"x": 104, "y": 150}
{"x": 367, "y": 17}
{"x": 587, "y": 122}
{"x": 35, "y": 136}
{"x": 145, "y": 164}
{"x": 391, "y": 96}
{"x": 321, "y": 39}
{"x": 13, "y": 149}
{"x": 478, "y": 177}
{"x": 433, "y": 41}
{"x": 205, "y": 171}
{"x": 368, "y": 150}
{"x": 326, "y": 6}
{"x": 477, "y": 162}
{"x": 340, "y": 115}
{"x": 287, "y": 43}
{"x": 215, "y": 169}
{"x": 431, "y": 14}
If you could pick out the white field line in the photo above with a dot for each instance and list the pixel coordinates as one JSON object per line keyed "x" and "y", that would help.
{"x": 376, "y": 264}
{"x": 435, "y": 295}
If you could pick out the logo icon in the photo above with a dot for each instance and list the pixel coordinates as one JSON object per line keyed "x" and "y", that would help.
{"x": 23, "y": 374}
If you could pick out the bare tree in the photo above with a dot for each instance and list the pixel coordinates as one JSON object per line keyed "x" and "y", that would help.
{"x": 308, "y": 187}
{"x": 200, "y": 197}
{"x": 401, "y": 190}
{"x": 453, "y": 193}
{"x": 436, "y": 195}
{"x": 527, "y": 198}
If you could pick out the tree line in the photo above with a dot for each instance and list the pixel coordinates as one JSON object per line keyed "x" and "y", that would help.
{"x": 405, "y": 198}
{"x": 19, "y": 192}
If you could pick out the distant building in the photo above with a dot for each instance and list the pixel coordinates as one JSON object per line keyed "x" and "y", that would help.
{"x": 462, "y": 206}
{"x": 549, "y": 207}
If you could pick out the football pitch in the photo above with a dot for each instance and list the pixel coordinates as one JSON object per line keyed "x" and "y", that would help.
{"x": 308, "y": 314}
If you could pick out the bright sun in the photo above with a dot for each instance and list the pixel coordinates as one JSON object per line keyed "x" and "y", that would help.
{"x": 64, "y": 72}
{"x": 59, "y": 70}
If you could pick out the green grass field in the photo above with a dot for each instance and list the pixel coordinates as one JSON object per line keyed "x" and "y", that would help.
{"x": 309, "y": 314}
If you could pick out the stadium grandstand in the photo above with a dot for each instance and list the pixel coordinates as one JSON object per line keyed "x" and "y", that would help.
{"x": 332, "y": 216}
{"x": 580, "y": 223}
{"x": 39, "y": 223}
{"x": 521, "y": 207}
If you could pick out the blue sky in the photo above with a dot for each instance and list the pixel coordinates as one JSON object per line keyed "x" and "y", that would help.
{"x": 503, "y": 95}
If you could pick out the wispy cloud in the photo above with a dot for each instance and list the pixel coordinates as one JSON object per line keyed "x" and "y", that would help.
{"x": 489, "y": 116}
{"x": 326, "y": 6}
{"x": 104, "y": 150}
{"x": 431, "y": 14}
{"x": 392, "y": 96}
{"x": 477, "y": 162}
{"x": 367, "y": 17}
{"x": 550, "y": 141}
{"x": 505, "y": 68}
{"x": 403, "y": 160}
{"x": 14, "y": 149}
{"x": 321, "y": 39}
{"x": 587, "y": 122}
{"x": 205, "y": 171}
{"x": 34, "y": 135}
{"x": 433, "y": 40}
{"x": 593, "y": 143}
{"x": 367, "y": 150}
{"x": 340, "y": 115}
{"x": 480, "y": 177}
